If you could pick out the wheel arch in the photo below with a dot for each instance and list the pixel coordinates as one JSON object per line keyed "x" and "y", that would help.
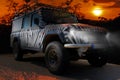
{"x": 14, "y": 40}
{"x": 50, "y": 38}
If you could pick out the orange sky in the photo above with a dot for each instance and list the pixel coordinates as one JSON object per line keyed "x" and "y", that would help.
{"x": 111, "y": 8}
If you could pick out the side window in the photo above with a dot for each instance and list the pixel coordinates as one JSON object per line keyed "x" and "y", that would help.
{"x": 26, "y": 22}
{"x": 37, "y": 20}
{"x": 17, "y": 24}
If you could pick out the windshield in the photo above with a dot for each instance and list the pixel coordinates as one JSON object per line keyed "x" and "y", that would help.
{"x": 58, "y": 16}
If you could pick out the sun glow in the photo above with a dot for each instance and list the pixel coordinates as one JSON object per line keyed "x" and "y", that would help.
{"x": 97, "y": 11}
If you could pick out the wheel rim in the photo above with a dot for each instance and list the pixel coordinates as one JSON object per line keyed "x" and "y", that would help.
{"x": 99, "y": 57}
{"x": 52, "y": 57}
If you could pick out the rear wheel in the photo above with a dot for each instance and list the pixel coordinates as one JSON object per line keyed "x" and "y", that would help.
{"x": 18, "y": 55}
{"x": 56, "y": 57}
{"x": 97, "y": 59}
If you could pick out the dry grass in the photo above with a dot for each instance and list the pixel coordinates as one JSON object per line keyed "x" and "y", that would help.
{"x": 8, "y": 74}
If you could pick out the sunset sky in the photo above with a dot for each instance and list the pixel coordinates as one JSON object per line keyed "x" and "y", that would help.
{"x": 109, "y": 8}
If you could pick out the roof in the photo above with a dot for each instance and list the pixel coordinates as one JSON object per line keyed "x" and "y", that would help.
{"x": 28, "y": 8}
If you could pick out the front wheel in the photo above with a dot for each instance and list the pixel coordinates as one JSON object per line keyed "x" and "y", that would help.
{"x": 55, "y": 57}
{"x": 17, "y": 51}
{"x": 97, "y": 59}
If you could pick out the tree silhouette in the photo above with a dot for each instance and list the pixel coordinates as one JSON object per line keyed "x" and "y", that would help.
{"x": 102, "y": 19}
{"x": 27, "y": 1}
{"x": 12, "y": 6}
{"x": 66, "y": 4}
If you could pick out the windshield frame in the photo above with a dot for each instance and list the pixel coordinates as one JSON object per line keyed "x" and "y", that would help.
{"x": 57, "y": 16}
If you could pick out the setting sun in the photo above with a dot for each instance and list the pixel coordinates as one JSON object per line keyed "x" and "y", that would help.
{"x": 97, "y": 11}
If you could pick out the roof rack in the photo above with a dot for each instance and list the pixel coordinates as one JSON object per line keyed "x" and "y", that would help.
{"x": 27, "y": 8}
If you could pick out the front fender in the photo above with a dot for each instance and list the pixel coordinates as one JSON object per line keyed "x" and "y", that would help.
{"x": 52, "y": 37}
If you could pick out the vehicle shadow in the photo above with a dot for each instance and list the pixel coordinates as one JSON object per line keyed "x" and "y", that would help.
{"x": 37, "y": 60}
{"x": 81, "y": 70}
{"x": 84, "y": 71}
{"x": 114, "y": 57}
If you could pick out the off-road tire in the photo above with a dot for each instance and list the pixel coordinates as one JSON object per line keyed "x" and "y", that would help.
{"x": 18, "y": 55}
{"x": 56, "y": 57}
{"x": 97, "y": 59}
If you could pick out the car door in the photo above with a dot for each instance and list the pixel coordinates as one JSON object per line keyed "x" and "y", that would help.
{"x": 25, "y": 30}
{"x": 36, "y": 29}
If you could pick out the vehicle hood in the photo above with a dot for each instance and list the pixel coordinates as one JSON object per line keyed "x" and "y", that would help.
{"x": 85, "y": 27}
{"x": 83, "y": 33}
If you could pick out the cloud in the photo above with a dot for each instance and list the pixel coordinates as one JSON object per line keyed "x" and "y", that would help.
{"x": 116, "y": 5}
{"x": 104, "y": 1}
{"x": 85, "y": 1}
{"x": 106, "y": 5}
{"x": 111, "y": 3}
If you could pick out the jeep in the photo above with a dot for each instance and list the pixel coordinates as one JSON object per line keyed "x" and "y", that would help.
{"x": 58, "y": 35}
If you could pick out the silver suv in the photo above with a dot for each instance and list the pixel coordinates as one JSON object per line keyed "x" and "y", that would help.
{"x": 58, "y": 34}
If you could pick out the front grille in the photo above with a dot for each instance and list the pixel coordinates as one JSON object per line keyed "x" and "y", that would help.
{"x": 88, "y": 37}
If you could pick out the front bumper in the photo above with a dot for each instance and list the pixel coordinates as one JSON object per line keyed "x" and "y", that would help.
{"x": 93, "y": 46}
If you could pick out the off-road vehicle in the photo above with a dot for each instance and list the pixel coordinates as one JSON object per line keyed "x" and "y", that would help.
{"x": 58, "y": 35}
